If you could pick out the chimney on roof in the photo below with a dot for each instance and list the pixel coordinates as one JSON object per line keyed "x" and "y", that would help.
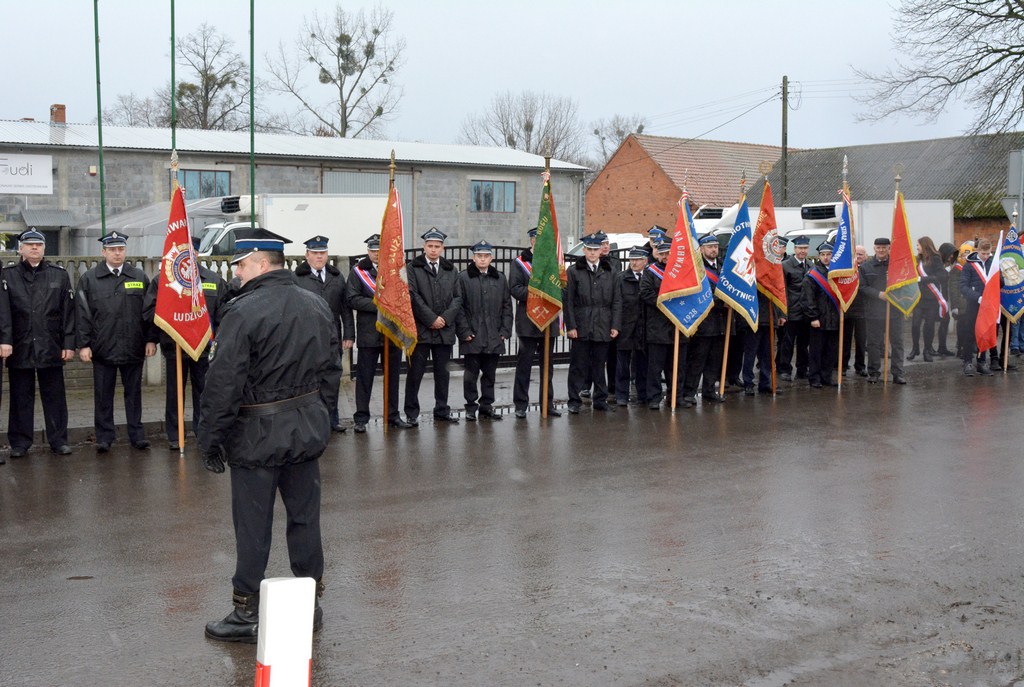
{"x": 58, "y": 114}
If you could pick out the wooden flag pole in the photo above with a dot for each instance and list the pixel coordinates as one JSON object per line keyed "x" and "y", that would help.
{"x": 725, "y": 352}
{"x": 1006, "y": 344}
{"x": 545, "y": 377}
{"x": 771, "y": 344}
{"x": 181, "y": 399}
{"x": 675, "y": 370}
{"x": 839, "y": 363}
{"x": 885, "y": 344}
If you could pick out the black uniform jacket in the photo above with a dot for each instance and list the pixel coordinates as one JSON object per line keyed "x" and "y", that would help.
{"x": 873, "y": 277}
{"x": 519, "y": 285}
{"x": 714, "y": 323}
{"x": 276, "y": 343}
{"x": 40, "y": 322}
{"x": 360, "y": 297}
{"x": 972, "y": 285}
{"x": 793, "y": 273}
{"x": 815, "y": 304}
{"x": 593, "y": 303}
{"x": 215, "y": 291}
{"x": 434, "y": 297}
{"x": 658, "y": 329}
{"x": 110, "y": 318}
{"x": 631, "y": 336}
{"x": 332, "y": 291}
{"x": 486, "y": 313}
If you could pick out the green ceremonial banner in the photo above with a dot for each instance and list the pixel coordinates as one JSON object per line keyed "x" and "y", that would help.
{"x": 547, "y": 278}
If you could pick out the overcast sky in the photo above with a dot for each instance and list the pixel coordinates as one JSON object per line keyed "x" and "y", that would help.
{"x": 688, "y": 66}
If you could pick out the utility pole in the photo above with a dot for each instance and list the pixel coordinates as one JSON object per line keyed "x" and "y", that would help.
{"x": 785, "y": 138}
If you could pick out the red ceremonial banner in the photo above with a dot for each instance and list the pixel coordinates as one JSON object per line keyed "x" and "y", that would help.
{"x": 180, "y": 304}
{"x": 394, "y": 306}
{"x": 769, "y": 252}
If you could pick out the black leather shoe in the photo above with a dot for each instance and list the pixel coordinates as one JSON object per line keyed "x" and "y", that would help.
{"x": 815, "y": 385}
{"x": 241, "y": 624}
{"x": 490, "y": 415}
{"x": 360, "y": 428}
{"x": 339, "y": 429}
{"x": 654, "y": 405}
{"x": 928, "y": 356}
{"x": 173, "y": 445}
{"x": 18, "y": 452}
{"x": 968, "y": 369}
{"x": 688, "y": 402}
{"x": 984, "y": 370}
{"x": 874, "y": 378}
{"x": 62, "y": 450}
{"x": 554, "y": 413}
{"x": 404, "y": 424}
{"x": 862, "y": 373}
{"x": 141, "y": 445}
{"x": 318, "y": 617}
{"x": 574, "y": 410}
{"x": 899, "y": 379}
{"x": 714, "y": 397}
{"x": 748, "y": 390}
{"x": 786, "y": 377}
{"x": 450, "y": 417}
{"x": 471, "y": 416}
{"x": 604, "y": 408}
{"x": 913, "y": 354}
{"x": 102, "y": 447}
{"x": 522, "y": 414}
{"x": 585, "y": 393}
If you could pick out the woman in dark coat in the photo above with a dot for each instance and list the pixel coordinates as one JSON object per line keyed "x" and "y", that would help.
{"x": 933, "y": 305}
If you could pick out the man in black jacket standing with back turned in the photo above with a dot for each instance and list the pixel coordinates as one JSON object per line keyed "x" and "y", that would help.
{"x": 264, "y": 413}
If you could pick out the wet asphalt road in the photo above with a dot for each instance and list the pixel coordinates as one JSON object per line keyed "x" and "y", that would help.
{"x": 867, "y": 538}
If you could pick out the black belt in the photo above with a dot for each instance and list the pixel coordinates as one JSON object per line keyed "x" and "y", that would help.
{"x": 279, "y": 406}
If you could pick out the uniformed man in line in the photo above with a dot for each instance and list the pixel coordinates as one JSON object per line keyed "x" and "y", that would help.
{"x": 707, "y": 345}
{"x": 820, "y": 308}
{"x": 655, "y": 235}
{"x": 317, "y": 275}
{"x": 972, "y": 287}
{"x": 112, "y": 336}
{"x": 531, "y": 339}
{"x": 613, "y": 347}
{"x": 855, "y": 328}
{"x": 796, "y": 333}
{"x": 215, "y": 291}
{"x": 873, "y": 278}
{"x": 435, "y": 305}
{"x": 265, "y": 415}
{"x": 631, "y": 366}
{"x": 757, "y": 348}
{"x": 593, "y": 316}
{"x": 659, "y": 335}
{"x": 483, "y": 326}
{"x": 360, "y": 290}
{"x": 37, "y": 336}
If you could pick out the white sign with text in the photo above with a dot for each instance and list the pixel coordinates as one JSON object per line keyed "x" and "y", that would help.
{"x": 26, "y": 174}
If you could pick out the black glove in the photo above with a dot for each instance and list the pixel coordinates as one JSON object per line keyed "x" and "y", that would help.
{"x": 213, "y": 459}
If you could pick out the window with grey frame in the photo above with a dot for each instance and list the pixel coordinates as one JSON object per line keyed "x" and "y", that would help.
{"x": 203, "y": 183}
{"x": 492, "y": 196}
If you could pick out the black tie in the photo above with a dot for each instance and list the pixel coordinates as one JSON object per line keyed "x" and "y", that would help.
{"x": 117, "y": 271}
{"x": 433, "y": 268}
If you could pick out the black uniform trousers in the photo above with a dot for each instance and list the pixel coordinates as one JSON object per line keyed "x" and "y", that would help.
{"x": 531, "y": 347}
{"x": 366, "y": 368}
{"x": 822, "y": 355}
{"x": 253, "y": 492}
{"x": 104, "y": 378}
{"x": 21, "y": 415}
{"x": 703, "y": 359}
{"x": 583, "y": 356}
{"x": 659, "y": 367}
{"x": 876, "y": 343}
{"x": 482, "y": 367}
{"x": 440, "y": 354}
{"x": 794, "y": 335}
{"x": 855, "y": 331}
{"x": 758, "y": 345}
{"x": 190, "y": 369}
{"x": 630, "y": 366}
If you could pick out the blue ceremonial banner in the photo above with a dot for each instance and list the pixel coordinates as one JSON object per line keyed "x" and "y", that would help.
{"x": 843, "y": 262}
{"x": 737, "y": 284}
{"x": 1011, "y": 267}
{"x": 686, "y": 296}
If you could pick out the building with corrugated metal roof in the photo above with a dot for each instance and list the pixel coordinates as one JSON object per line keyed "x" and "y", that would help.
{"x": 49, "y": 178}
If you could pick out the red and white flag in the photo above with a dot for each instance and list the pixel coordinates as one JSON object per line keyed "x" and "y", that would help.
{"x": 180, "y": 303}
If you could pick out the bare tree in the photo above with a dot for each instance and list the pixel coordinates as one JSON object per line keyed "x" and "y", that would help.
{"x": 356, "y": 57}
{"x": 610, "y": 134}
{"x": 132, "y": 110}
{"x": 970, "y": 50}
{"x": 217, "y": 93}
{"x": 529, "y": 121}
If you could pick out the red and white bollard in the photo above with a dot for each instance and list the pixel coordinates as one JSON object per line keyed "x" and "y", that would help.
{"x": 284, "y": 651}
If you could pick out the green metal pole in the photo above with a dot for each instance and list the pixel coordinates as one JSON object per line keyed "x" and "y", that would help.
{"x": 252, "y": 114}
{"x": 99, "y": 120}
{"x": 174, "y": 103}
